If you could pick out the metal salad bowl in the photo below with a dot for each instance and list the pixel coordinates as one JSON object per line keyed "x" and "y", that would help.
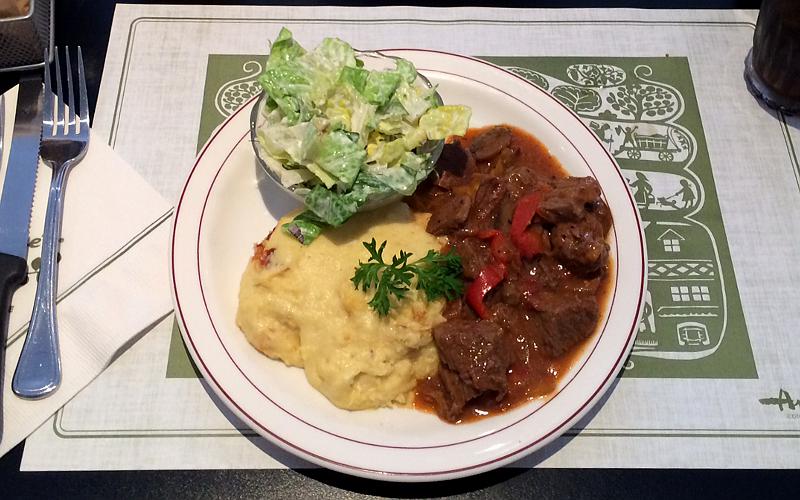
{"x": 373, "y": 60}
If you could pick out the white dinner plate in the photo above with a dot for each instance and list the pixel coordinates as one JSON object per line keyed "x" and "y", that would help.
{"x": 228, "y": 204}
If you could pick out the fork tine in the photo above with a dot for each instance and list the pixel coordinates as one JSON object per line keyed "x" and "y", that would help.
{"x": 70, "y": 124}
{"x": 47, "y": 110}
{"x": 84, "y": 110}
{"x": 60, "y": 95}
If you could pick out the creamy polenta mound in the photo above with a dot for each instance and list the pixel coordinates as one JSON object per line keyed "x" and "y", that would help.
{"x": 301, "y": 308}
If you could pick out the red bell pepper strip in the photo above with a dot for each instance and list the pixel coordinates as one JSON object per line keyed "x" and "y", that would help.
{"x": 489, "y": 277}
{"x": 497, "y": 244}
{"x": 526, "y": 243}
{"x": 262, "y": 254}
{"x": 487, "y": 234}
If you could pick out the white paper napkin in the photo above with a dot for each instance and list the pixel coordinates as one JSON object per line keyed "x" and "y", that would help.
{"x": 113, "y": 280}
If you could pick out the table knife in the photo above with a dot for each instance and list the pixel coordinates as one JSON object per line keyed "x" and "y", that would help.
{"x": 16, "y": 201}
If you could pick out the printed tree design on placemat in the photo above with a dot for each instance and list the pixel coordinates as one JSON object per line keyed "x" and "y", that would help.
{"x": 639, "y": 100}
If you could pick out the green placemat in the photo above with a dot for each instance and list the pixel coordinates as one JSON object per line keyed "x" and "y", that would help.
{"x": 645, "y": 111}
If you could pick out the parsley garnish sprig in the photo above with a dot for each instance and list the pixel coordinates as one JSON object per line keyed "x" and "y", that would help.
{"x": 437, "y": 275}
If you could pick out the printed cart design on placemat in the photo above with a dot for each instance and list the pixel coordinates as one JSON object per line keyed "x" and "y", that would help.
{"x": 645, "y": 112}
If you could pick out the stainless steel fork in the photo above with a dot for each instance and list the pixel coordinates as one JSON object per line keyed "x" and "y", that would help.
{"x": 65, "y": 139}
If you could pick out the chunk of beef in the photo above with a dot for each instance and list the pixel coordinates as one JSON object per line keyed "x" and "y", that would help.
{"x": 505, "y": 160}
{"x": 449, "y": 213}
{"x": 490, "y": 142}
{"x": 457, "y": 309}
{"x": 522, "y": 333}
{"x": 581, "y": 245}
{"x": 566, "y": 322}
{"x": 454, "y": 159}
{"x": 516, "y": 288}
{"x": 568, "y": 199}
{"x": 448, "y": 180}
{"x": 453, "y": 394}
{"x": 552, "y": 281}
{"x": 426, "y": 196}
{"x": 486, "y": 206}
{"x": 514, "y": 320}
{"x": 520, "y": 179}
{"x": 547, "y": 272}
{"x": 505, "y": 214}
{"x": 475, "y": 255}
{"x": 603, "y": 214}
{"x": 475, "y": 352}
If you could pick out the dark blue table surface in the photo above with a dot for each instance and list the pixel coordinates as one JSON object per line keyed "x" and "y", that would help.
{"x": 88, "y": 23}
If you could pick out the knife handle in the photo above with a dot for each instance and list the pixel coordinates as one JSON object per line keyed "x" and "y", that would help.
{"x": 13, "y": 274}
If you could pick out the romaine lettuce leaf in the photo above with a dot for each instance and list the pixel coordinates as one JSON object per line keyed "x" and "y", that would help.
{"x": 326, "y": 178}
{"x": 357, "y": 77}
{"x": 397, "y": 178}
{"x": 284, "y": 49}
{"x": 439, "y": 123}
{"x": 413, "y": 138}
{"x": 288, "y": 177}
{"x": 347, "y": 109}
{"x": 380, "y": 86}
{"x": 334, "y": 55}
{"x": 407, "y": 70}
{"x": 392, "y": 125}
{"x": 339, "y": 156}
{"x": 386, "y": 153}
{"x": 393, "y": 109}
{"x": 306, "y": 227}
{"x": 367, "y": 185}
{"x": 284, "y": 142}
{"x": 289, "y": 87}
{"x": 298, "y": 81}
{"x": 419, "y": 164}
{"x": 331, "y": 207}
{"x": 323, "y": 67}
{"x": 416, "y": 100}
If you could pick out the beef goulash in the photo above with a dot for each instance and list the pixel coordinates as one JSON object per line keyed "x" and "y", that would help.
{"x": 532, "y": 243}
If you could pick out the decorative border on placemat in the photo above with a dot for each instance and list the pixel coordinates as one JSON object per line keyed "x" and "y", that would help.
{"x": 62, "y": 432}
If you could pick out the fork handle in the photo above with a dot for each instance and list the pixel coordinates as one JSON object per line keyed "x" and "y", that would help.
{"x": 38, "y": 371}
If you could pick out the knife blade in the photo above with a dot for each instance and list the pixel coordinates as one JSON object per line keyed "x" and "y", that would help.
{"x": 16, "y": 202}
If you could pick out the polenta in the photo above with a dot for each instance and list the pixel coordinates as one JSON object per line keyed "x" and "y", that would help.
{"x": 298, "y": 305}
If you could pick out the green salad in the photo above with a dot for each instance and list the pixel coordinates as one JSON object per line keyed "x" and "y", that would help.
{"x": 341, "y": 135}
